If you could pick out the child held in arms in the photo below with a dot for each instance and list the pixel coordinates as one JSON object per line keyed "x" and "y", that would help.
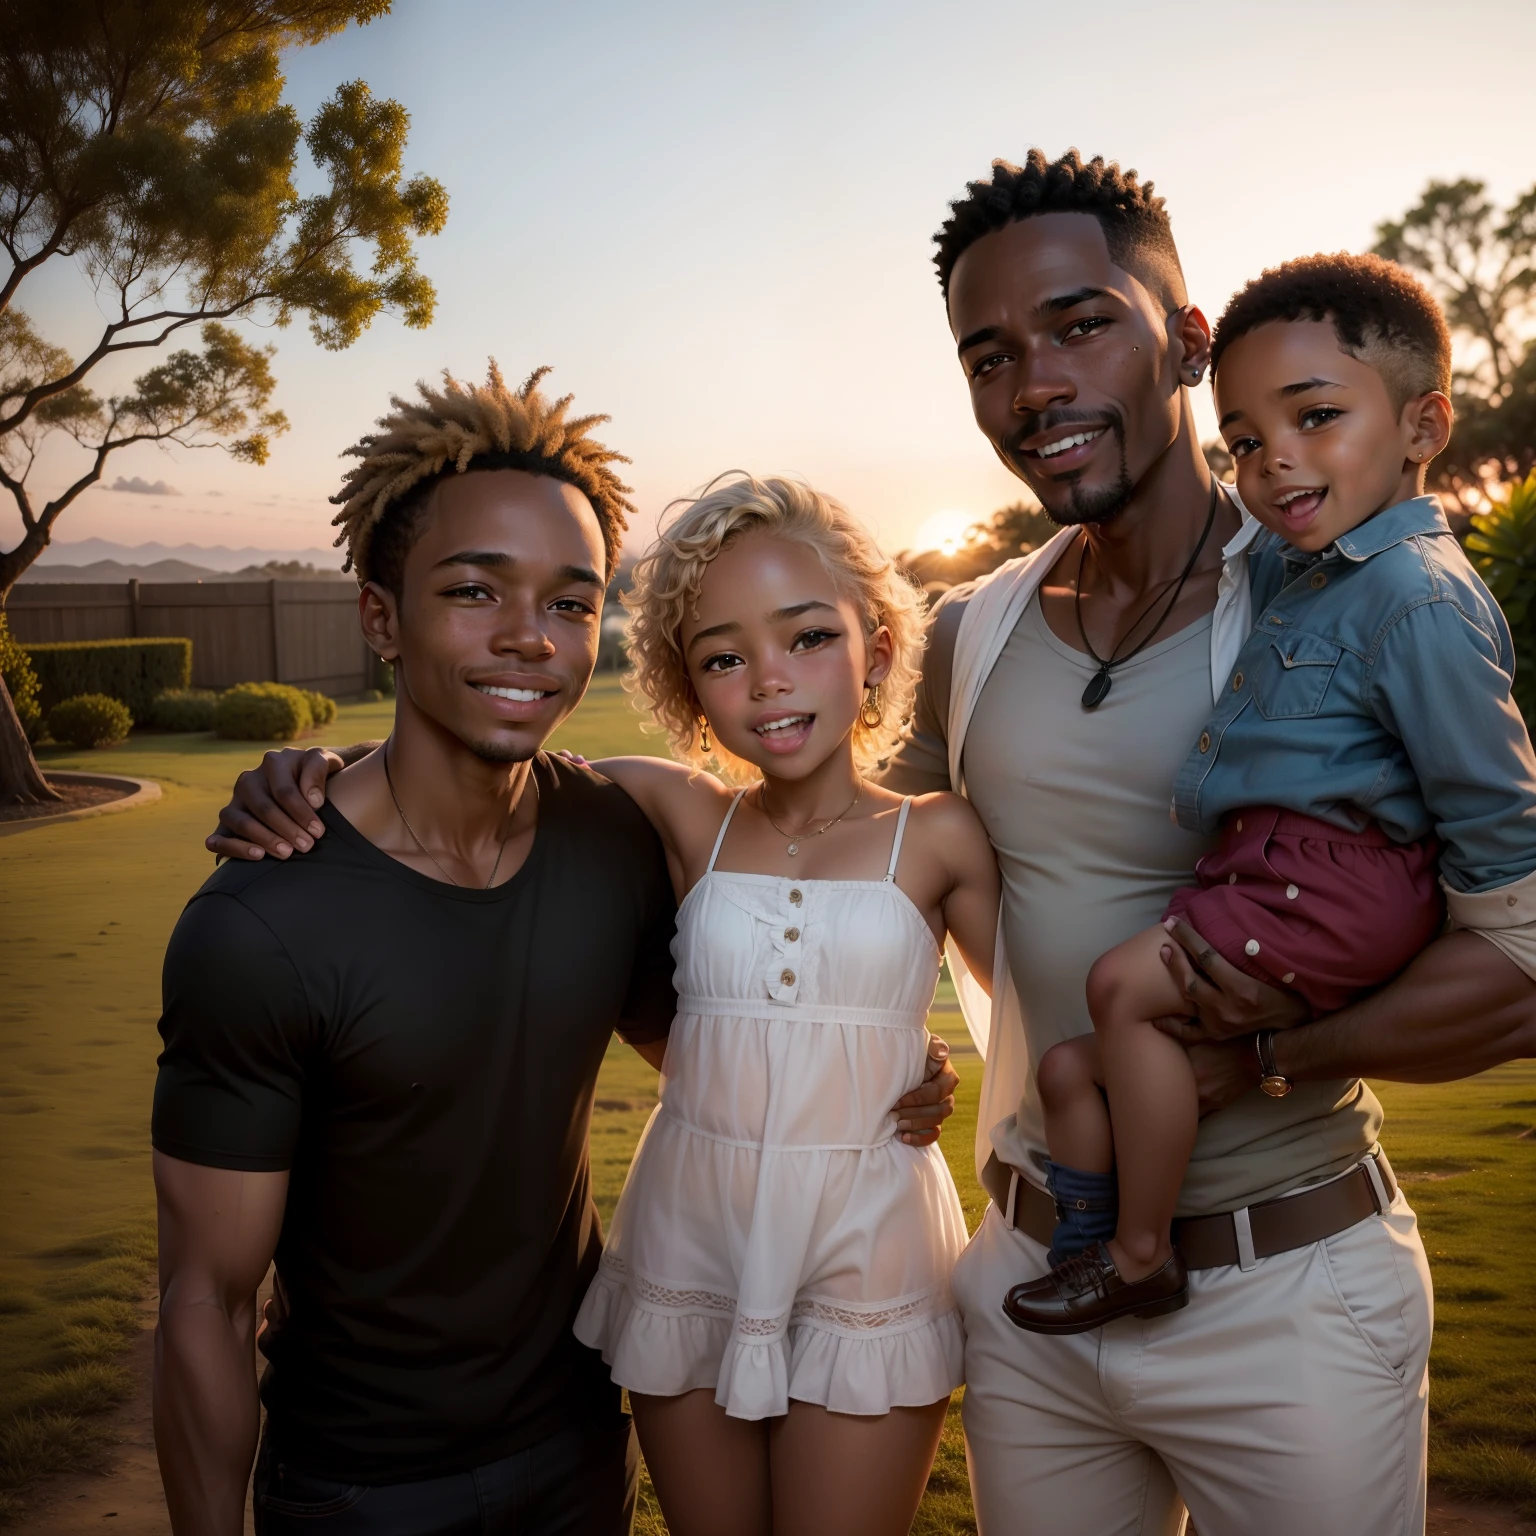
{"x": 1365, "y": 743}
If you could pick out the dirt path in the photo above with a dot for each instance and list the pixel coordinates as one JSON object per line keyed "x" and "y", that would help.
{"x": 128, "y": 1500}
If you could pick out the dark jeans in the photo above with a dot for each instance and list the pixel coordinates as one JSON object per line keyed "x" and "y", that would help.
{"x": 579, "y": 1482}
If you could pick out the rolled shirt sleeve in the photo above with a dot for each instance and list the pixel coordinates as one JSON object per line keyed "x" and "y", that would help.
{"x": 1441, "y": 684}
{"x": 235, "y": 1022}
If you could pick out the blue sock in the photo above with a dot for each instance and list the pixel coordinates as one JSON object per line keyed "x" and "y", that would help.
{"x": 1087, "y": 1207}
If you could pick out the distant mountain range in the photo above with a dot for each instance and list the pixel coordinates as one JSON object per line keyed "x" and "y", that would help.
{"x": 102, "y": 560}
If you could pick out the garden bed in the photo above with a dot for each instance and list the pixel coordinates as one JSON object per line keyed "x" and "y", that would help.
{"x": 81, "y": 794}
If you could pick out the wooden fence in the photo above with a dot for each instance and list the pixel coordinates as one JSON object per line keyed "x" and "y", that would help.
{"x": 301, "y": 632}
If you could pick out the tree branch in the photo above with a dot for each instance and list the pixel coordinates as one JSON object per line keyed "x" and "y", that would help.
{"x": 107, "y": 348}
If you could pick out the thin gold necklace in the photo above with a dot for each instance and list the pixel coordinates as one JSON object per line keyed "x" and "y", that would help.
{"x": 400, "y": 812}
{"x": 795, "y": 838}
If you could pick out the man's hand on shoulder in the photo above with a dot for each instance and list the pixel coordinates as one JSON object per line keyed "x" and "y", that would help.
{"x": 274, "y": 804}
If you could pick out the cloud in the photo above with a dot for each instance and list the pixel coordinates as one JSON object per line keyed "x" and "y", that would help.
{"x": 142, "y": 487}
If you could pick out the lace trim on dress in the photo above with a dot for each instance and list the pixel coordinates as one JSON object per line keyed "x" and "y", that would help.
{"x": 898, "y": 1315}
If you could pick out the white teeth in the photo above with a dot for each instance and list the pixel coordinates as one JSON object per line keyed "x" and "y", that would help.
{"x": 522, "y": 695}
{"x": 1063, "y": 443}
{"x": 782, "y": 725}
{"x": 1291, "y": 496}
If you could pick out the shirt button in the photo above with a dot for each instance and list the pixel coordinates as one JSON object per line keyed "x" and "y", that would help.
{"x": 1289, "y": 977}
{"x": 787, "y": 977}
{"x": 1318, "y": 580}
{"x": 1205, "y": 741}
{"x": 1275, "y": 618}
{"x": 1510, "y": 901}
{"x": 1292, "y": 892}
{"x": 1239, "y": 823}
{"x": 794, "y": 898}
{"x": 791, "y": 935}
{"x": 1251, "y": 947}
{"x": 1232, "y": 879}
{"x": 1237, "y": 682}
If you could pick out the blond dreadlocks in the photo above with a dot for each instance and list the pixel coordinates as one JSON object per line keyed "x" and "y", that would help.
{"x": 459, "y": 428}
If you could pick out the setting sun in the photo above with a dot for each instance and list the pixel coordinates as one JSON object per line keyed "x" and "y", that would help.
{"x": 943, "y": 531}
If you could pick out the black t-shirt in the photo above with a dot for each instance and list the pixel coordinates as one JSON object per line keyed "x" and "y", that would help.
{"x": 422, "y": 1057}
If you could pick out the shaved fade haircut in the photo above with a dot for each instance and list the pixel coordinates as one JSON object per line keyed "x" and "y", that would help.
{"x": 1381, "y": 314}
{"x": 453, "y": 431}
{"x": 1135, "y": 223}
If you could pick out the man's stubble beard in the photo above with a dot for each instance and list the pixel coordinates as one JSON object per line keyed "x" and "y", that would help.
{"x": 1085, "y": 508}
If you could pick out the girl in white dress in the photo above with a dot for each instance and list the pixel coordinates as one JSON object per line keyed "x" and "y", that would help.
{"x": 775, "y": 1289}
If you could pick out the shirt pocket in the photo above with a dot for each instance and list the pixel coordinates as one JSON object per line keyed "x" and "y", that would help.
{"x": 1294, "y": 678}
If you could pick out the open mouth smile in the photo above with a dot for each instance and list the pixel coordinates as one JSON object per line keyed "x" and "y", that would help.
{"x": 521, "y": 695}
{"x": 1299, "y": 507}
{"x": 1060, "y": 445}
{"x": 784, "y": 733}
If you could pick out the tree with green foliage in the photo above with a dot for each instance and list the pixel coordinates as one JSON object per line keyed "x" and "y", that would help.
{"x": 147, "y": 142}
{"x": 1480, "y": 262}
{"x": 1502, "y": 545}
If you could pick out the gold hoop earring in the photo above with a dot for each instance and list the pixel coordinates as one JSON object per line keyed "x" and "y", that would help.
{"x": 704, "y": 745}
{"x": 870, "y": 712}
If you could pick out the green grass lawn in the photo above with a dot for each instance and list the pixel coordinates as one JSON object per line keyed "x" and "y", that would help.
{"x": 86, "y": 908}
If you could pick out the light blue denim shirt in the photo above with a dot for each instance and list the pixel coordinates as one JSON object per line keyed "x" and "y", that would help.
{"x": 1375, "y": 685}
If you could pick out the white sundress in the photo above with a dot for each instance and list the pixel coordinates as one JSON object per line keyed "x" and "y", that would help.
{"x": 775, "y": 1239}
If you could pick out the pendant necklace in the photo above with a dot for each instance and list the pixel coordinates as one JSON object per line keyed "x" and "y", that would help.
{"x": 796, "y": 837}
{"x": 400, "y": 812}
{"x": 1101, "y": 681}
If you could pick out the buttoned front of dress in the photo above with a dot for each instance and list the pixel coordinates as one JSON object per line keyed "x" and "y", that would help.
{"x": 1375, "y": 686}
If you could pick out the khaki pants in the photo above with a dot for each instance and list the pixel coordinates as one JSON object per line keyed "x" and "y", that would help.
{"x": 1288, "y": 1399}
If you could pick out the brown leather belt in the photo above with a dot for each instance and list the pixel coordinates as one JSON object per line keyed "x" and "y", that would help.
{"x": 1240, "y": 1237}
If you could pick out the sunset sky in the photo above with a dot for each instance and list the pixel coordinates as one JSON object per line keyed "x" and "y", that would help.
{"x": 714, "y": 220}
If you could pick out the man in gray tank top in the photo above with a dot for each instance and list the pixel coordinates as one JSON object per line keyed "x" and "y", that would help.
{"x": 1062, "y": 694}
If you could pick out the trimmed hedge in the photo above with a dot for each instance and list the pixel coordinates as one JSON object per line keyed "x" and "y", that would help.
{"x": 133, "y": 671}
{"x": 262, "y": 712}
{"x": 184, "y": 709}
{"x": 90, "y": 720}
{"x": 322, "y": 709}
{"x": 20, "y": 681}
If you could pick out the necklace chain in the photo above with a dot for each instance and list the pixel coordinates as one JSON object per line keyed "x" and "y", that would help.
{"x": 1099, "y": 684}
{"x": 796, "y": 838}
{"x": 506, "y": 836}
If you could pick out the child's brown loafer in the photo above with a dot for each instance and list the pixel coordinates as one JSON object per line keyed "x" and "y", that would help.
{"x": 1087, "y": 1291}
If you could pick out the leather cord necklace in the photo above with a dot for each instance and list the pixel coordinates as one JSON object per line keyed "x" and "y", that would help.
{"x": 400, "y": 812}
{"x": 1101, "y": 681}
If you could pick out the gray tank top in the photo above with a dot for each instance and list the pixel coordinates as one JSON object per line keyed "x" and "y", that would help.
{"x": 1077, "y": 806}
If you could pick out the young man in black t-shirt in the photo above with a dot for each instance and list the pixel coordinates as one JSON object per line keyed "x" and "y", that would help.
{"x": 380, "y": 1056}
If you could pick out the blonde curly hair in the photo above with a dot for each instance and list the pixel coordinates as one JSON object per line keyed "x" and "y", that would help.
{"x": 462, "y": 427}
{"x": 668, "y": 577}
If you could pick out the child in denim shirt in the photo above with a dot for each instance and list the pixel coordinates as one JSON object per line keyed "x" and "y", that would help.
{"x": 1366, "y": 742}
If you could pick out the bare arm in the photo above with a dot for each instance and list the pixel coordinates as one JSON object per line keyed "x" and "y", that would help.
{"x": 218, "y": 1231}
{"x": 970, "y": 905}
{"x": 1460, "y": 1008}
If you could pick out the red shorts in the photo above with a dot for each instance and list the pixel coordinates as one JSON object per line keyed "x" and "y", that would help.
{"x": 1301, "y": 904}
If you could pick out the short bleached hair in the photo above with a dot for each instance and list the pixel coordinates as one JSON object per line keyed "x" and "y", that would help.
{"x": 453, "y": 430}
{"x": 669, "y": 575}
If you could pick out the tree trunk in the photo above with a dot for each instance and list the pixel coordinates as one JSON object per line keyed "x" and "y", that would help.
{"x": 21, "y": 780}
